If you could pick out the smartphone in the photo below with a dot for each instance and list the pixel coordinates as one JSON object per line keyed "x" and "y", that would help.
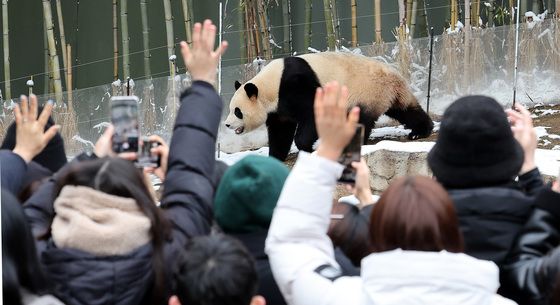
{"x": 352, "y": 153}
{"x": 145, "y": 156}
{"x": 124, "y": 117}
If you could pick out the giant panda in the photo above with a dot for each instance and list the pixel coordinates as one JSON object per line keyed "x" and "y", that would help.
{"x": 281, "y": 96}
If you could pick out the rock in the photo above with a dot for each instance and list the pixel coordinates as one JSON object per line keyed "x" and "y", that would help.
{"x": 389, "y": 160}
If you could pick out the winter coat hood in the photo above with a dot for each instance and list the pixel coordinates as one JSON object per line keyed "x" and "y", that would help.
{"x": 98, "y": 223}
{"x": 415, "y": 277}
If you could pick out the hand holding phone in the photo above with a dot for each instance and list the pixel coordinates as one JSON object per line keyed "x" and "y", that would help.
{"x": 124, "y": 117}
{"x": 352, "y": 153}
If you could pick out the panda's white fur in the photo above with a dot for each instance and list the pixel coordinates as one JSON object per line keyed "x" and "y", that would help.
{"x": 371, "y": 84}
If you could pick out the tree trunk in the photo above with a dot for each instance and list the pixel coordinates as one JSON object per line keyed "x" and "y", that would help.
{"x": 336, "y": 23}
{"x": 61, "y": 33}
{"x": 557, "y": 8}
{"x": 491, "y": 13}
{"x": 55, "y": 65}
{"x": 331, "y": 39}
{"x": 115, "y": 42}
{"x": 169, "y": 31}
{"x": 523, "y": 7}
{"x": 6, "y": 43}
{"x": 146, "y": 38}
{"x": 307, "y": 30}
{"x": 125, "y": 39}
{"x": 354, "y": 23}
{"x": 378, "y": 21}
{"x": 188, "y": 21}
{"x": 413, "y": 18}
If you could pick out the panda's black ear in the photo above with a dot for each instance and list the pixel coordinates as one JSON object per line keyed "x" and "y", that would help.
{"x": 237, "y": 85}
{"x": 251, "y": 89}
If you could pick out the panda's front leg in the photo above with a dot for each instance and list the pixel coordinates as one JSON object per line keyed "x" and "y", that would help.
{"x": 306, "y": 135}
{"x": 280, "y": 135}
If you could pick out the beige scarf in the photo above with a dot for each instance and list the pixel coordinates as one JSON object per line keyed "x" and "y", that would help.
{"x": 98, "y": 223}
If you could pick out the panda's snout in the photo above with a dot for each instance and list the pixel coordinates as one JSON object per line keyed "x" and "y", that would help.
{"x": 228, "y": 125}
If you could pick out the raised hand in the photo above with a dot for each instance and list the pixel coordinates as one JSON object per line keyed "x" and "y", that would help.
{"x": 163, "y": 152}
{"x": 31, "y": 137}
{"x": 524, "y": 133}
{"x": 361, "y": 188}
{"x": 334, "y": 126}
{"x": 104, "y": 146}
{"x": 202, "y": 60}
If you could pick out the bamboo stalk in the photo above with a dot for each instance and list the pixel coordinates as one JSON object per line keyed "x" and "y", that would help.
{"x": 187, "y": 18}
{"x": 115, "y": 42}
{"x": 408, "y": 7}
{"x": 336, "y": 23}
{"x": 414, "y": 17}
{"x": 243, "y": 42}
{"x": 378, "y": 21}
{"x": 353, "y": 6}
{"x": 307, "y": 30}
{"x": 61, "y": 33}
{"x": 402, "y": 12}
{"x": 125, "y": 39}
{"x": 69, "y": 78}
{"x": 491, "y": 13}
{"x": 55, "y": 65}
{"x": 466, "y": 59}
{"x": 47, "y": 60}
{"x": 557, "y": 8}
{"x": 286, "y": 19}
{"x": 265, "y": 34}
{"x": 169, "y": 31}
{"x": 6, "y": 43}
{"x": 453, "y": 14}
{"x": 331, "y": 39}
{"x": 146, "y": 38}
{"x": 475, "y": 13}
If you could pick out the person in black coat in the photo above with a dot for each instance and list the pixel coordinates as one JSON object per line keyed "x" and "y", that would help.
{"x": 533, "y": 270}
{"x": 109, "y": 273}
{"x": 477, "y": 157}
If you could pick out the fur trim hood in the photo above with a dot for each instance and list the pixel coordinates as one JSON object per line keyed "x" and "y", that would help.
{"x": 98, "y": 223}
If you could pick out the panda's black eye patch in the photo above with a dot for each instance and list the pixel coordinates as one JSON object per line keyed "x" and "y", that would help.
{"x": 238, "y": 113}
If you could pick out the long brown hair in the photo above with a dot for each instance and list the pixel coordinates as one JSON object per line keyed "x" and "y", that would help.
{"x": 415, "y": 213}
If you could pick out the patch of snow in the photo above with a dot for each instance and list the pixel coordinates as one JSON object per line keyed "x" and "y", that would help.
{"x": 398, "y": 146}
{"x": 101, "y": 126}
{"x": 543, "y": 112}
{"x": 272, "y": 42}
{"x": 389, "y": 132}
{"x": 231, "y": 159}
{"x": 312, "y": 50}
{"x": 548, "y": 161}
{"x": 116, "y": 83}
{"x": 30, "y": 83}
{"x": 541, "y": 131}
{"x": 79, "y": 139}
{"x": 554, "y": 136}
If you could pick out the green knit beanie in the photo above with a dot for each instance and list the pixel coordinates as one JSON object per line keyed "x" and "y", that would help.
{"x": 247, "y": 194}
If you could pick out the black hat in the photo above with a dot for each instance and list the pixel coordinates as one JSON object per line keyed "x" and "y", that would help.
{"x": 475, "y": 146}
{"x": 53, "y": 156}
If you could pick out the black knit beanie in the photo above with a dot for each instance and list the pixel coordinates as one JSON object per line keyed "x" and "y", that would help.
{"x": 53, "y": 157}
{"x": 475, "y": 146}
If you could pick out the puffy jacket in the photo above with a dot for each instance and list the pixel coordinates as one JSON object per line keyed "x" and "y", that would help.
{"x": 491, "y": 218}
{"x": 81, "y": 278}
{"x": 303, "y": 262}
{"x": 534, "y": 265}
{"x": 12, "y": 171}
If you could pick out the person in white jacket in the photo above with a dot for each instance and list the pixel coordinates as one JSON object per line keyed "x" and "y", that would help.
{"x": 415, "y": 259}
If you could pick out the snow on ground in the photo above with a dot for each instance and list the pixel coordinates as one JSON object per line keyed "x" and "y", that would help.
{"x": 548, "y": 161}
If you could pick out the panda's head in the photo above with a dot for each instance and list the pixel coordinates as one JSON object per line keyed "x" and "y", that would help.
{"x": 246, "y": 113}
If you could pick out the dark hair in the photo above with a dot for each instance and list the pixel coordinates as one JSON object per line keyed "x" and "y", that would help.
{"x": 351, "y": 232}
{"x": 216, "y": 270}
{"x": 119, "y": 177}
{"x": 415, "y": 213}
{"x": 20, "y": 264}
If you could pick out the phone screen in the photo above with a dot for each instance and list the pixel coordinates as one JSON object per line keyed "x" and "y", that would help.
{"x": 352, "y": 153}
{"x": 124, "y": 117}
